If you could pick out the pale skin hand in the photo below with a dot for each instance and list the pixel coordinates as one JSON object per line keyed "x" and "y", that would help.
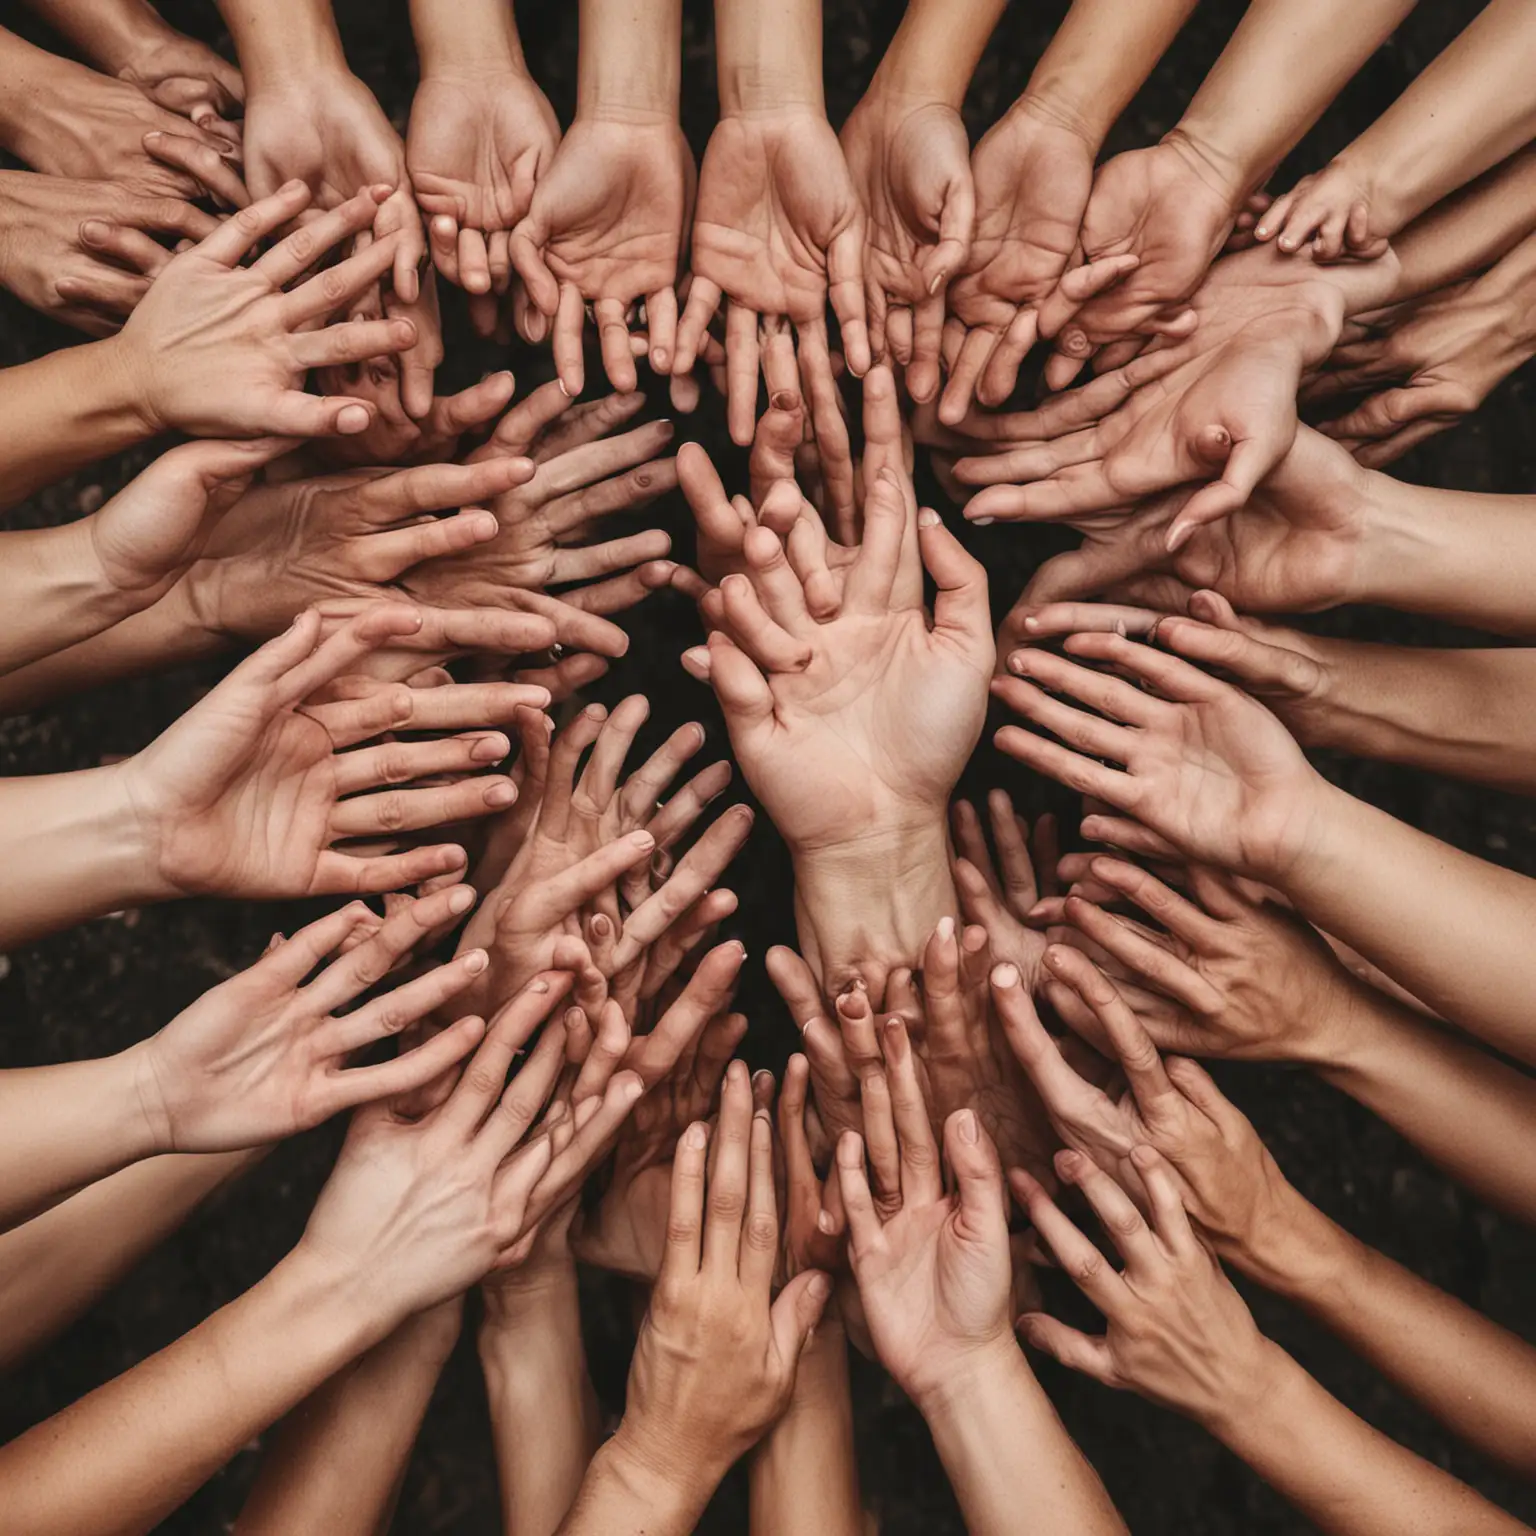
{"x": 1180, "y": 1335}
{"x": 714, "y": 1365}
{"x": 244, "y": 793}
{"x": 1207, "y": 768}
{"x": 1001, "y": 899}
{"x": 85, "y": 252}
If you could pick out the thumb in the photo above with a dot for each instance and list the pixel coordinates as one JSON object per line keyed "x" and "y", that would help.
{"x": 957, "y": 223}
{"x": 797, "y": 1311}
{"x": 978, "y": 1179}
{"x": 960, "y": 608}
{"x": 526, "y": 249}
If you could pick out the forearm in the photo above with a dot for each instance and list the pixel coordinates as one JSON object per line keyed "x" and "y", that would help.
{"x": 1470, "y": 108}
{"x": 1100, "y": 57}
{"x": 1469, "y": 1113}
{"x": 466, "y": 37}
{"x": 1465, "y": 713}
{"x": 337, "y": 1462}
{"x": 55, "y": 1266}
{"x": 631, "y": 59}
{"x": 1344, "y": 1476}
{"x": 64, "y": 1127}
{"x": 274, "y": 38}
{"x": 63, "y": 411}
{"x": 31, "y": 80}
{"x": 1453, "y": 929}
{"x": 867, "y": 907}
{"x": 1014, "y": 1468}
{"x": 768, "y": 55}
{"x": 622, "y": 1495}
{"x": 169, "y": 634}
{"x": 804, "y": 1475}
{"x": 1287, "y": 60}
{"x": 936, "y": 49}
{"x": 1475, "y": 1377}
{"x": 107, "y": 32}
{"x": 127, "y": 1454}
{"x": 73, "y": 848}
{"x": 544, "y": 1413}
{"x": 1467, "y": 233}
{"x": 1466, "y": 559}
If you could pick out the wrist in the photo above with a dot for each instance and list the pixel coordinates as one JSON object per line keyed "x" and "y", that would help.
{"x": 127, "y": 36}
{"x": 1056, "y": 99}
{"x": 666, "y": 1492}
{"x": 467, "y": 41}
{"x": 291, "y": 46}
{"x": 125, "y": 384}
{"x": 1282, "y": 1248}
{"x": 960, "y": 1385}
{"x": 868, "y": 906}
{"x": 542, "y": 1292}
{"x": 335, "y": 1298}
{"x": 1254, "y": 1390}
{"x": 631, "y": 70}
{"x": 1201, "y": 149}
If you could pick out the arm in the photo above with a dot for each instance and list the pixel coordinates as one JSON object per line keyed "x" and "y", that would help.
{"x": 804, "y": 1476}
{"x": 544, "y": 1413}
{"x": 337, "y": 1462}
{"x": 57, "y": 1265}
{"x": 1439, "y": 134}
{"x": 1475, "y": 1377}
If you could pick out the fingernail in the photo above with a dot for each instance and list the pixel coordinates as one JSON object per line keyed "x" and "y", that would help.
{"x": 928, "y": 518}
{"x": 632, "y": 1090}
{"x": 946, "y": 928}
{"x": 1005, "y": 976}
{"x": 475, "y": 961}
{"x": 641, "y": 840}
{"x": 601, "y": 927}
{"x": 693, "y": 1138}
{"x": 965, "y": 1124}
{"x": 461, "y": 900}
{"x": 819, "y": 1287}
{"x": 490, "y": 749}
{"x": 1016, "y": 663}
{"x": 824, "y": 1223}
{"x": 982, "y": 522}
{"x": 499, "y": 795}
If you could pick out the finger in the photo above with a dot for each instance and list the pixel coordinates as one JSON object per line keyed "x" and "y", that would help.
{"x": 613, "y": 339}
{"x": 727, "y": 1198}
{"x": 1089, "y": 1270}
{"x": 392, "y": 1013}
{"x": 1118, "y": 1216}
{"x": 399, "y": 762}
{"x": 1073, "y": 1349}
{"x": 873, "y": 575}
{"x": 760, "y": 1228}
{"x": 565, "y": 339}
{"x": 845, "y": 290}
{"x": 394, "y": 811}
{"x": 332, "y": 291}
{"x": 920, "y": 1181}
{"x": 796, "y": 1311}
{"x": 484, "y": 1079}
{"x": 865, "y": 1233}
{"x": 741, "y": 371}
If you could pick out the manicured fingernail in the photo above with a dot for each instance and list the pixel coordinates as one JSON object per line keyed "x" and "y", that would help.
{"x": 475, "y": 961}
{"x": 965, "y": 1124}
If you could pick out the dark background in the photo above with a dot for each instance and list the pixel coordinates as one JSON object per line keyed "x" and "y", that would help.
{"x": 96, "y": 989}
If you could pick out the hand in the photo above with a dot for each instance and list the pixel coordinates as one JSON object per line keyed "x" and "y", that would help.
{"x": 421, "y": 1207}
{"x": 289, "y": 544}
{"x": 260, "y": 1057}
{"x": 778, "y": 231}
{"x": 1338, "y": 211}
{"x": 1297, "y": 545}
{"x": 1178, "y": 1333}
{"x": 965, "y": 1056}
{"x": 1229, "y": 976}
{"x": 1170, "y": 208}
{"x": 626, "y": 1232}
{"x": 247, "y": 792}
{"x": 218, "y": 349}
{"x": 868, "y": 704}
{"x": 1033, "y": 175}
{"x": 186, "y": 76}
{"x": 540, "y": 521}
{"x": 1207, "y": 768}
{"x": 1430, "y": 364}
{"x": 834, "y": 1078}
{"x": 476, "y": 147}
{"x": 146, "y": 536}
{"x": 910, "y": 161}
{"x": 715, "y": 1364}
{"x": 814, "y": 1223}
{"x": 90, "y": 127}
{"x": 606, "y": 227}
{"x": 933, "y": 1269}
{"x": 324, "y": 129}
{"x": 1002, "y": 906}
{"x": 82, "y": 251}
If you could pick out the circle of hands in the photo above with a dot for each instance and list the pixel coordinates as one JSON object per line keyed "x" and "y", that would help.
{"x": 430, "y": 581}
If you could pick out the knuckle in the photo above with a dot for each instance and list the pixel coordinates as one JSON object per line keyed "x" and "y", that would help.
{"x": 1087, "y": 1269}
{"x": 390, "y": 812}
{"x": 726, "y": 1204}
{"x": 762, "y": 1233}
{"x": 680, "y": 1229}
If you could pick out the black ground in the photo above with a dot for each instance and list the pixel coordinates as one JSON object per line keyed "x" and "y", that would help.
{"x": 102, "y": 986}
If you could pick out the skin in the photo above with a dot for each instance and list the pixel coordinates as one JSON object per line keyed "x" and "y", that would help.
{"x": 934, "y": 1276}
{"x": 800, "y": 689}
{"x": 715, "y": 1364}
{"x": 1399, "y": 166}
{"x": 606, "y": 222}
{"x": 1179, "y": 1334}
{"x": 416, "y": 1210}
{"x": 1033, "y": 171}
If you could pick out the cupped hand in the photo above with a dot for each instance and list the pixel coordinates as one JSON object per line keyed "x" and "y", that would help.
{"x": 1338, "y": 212}
{"x": 476, "y": 147}
{"x": 715, "y": 1362}
{"x": 855, "y": 722}
{"x": 605, "y": 227}
{"x": 934, "y": 1271}
{"x": 1178, "y": 1334}
{"x": 263, "y": 1056}
{"x": 779, "y": 230}
{"x": 910, "y": 161}
{"x": 250, "y": 790}
{"x": 1206, "y": 767}
{"x": 1032, "y": 175}
{"x": 327, "y": 131}
{"x": 86, "y": 252}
